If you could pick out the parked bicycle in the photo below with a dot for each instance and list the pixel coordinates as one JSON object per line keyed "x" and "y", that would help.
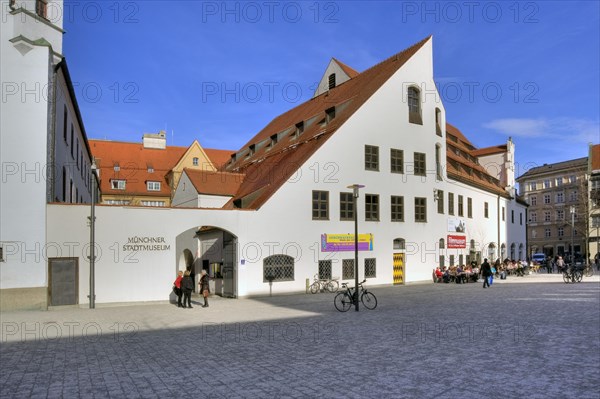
{"x": 588, "y": 270}
{"x": 345, "y": 299}
{"x": 318, "y": 285}
{"x": 572, "y": 275}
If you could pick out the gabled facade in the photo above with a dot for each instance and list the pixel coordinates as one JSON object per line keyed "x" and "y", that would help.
{"x": 206, "y": 189}
{"x": 594, "y": 202}
{"x": 147, "y": 173}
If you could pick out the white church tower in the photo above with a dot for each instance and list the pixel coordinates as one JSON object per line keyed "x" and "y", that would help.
{"x": 43, "y": 147}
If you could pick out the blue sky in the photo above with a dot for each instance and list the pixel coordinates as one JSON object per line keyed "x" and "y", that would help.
{"x": 219, "y": 72}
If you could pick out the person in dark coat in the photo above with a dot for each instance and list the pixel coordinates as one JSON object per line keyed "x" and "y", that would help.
{"x": 187, "y": 285}
{"x": 204, "y": 290}
{"x": 486, "y": 272}
{"x": 178, "y": 290}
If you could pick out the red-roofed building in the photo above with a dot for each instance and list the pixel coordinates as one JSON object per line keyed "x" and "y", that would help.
{"x": 147, "y": 173}
{"x": 594, "y": 202}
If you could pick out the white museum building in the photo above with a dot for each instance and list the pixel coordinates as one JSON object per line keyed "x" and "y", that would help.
{"x": 280, "y": 209}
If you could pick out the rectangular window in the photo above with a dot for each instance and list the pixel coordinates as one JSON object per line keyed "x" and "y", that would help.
{"x": 299, "y": 129}
{"x": 329, "y": 114}
{"x": 346, "y": 206}
{"x": 320, "y": 205}
{"x": 65, "y": 123}
{"x": 153, "y": 185}
{"x": 533, "y": 200}
{"x": 41, "y": 8}
{"x": 560, "y": 198}
{"x": 397, "y": 208}
{"x": 560, "y": 214}
{"x": 372, "y": 207}
{"x": 1, "y": 253}
{"x": 347, "y": 269}
{"x": 420, "y": 166}
{"x": 118, "y": 184}
{"x": 595, "y": 221}
{"x": 451, "y": 203}
{"x": 512, "y": 216}
{"x": 521, "y": 218}
{"x": 440, "y": 201}
{"x": 370, "y": 268}
{"x": 547, "y": 183}
{"x": 72, "y": 142}
{"x": 560, "y": 231}
{"x": 533, "y": 217}
{"x": 195, "y": 161}
{"x": 547, "y": 233}
{"x": 503, "y": 214}
{"x": 397, "y": 160}
{"x": 371, "y": 158}
{"x": 77, "y": 153}
{"x": 546, "y": 198}
{"x": 460, "y": 206}
{"x": 546, "y": 216}
{"x": 532, "y": 186}
{"x": 469, "y": 207}
{"x": 573, "y": 196}
{"x": 486, "y": 210}
{"x": 420, "y": 209}
{"x": 153, "y": 203}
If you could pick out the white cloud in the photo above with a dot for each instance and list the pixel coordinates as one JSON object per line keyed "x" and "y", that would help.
{"x": 564, "y": 128}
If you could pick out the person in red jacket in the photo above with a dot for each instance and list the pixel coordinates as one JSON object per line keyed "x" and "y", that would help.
{"x": 178, "y": 290}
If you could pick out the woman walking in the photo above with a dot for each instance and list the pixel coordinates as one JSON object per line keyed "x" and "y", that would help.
{"x": 204, "y": 287}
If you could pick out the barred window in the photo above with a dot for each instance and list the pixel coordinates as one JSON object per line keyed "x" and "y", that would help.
{"x": 397, "y": 160}
{"x": 370, "y": 268}
{"x": 320, "y": 205}
{"x": 397, "y": 208}
{"x": 346, "y": 206}
{"x": 324, "y": 269}
{"x": 371, "y": 157}
{"x": 347, "y": 269}
{"x": 280, "y": 267}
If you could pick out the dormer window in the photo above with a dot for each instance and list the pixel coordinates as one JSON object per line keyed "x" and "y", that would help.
{"x": 153, "y": 185}
{"x": 117, "y": 184}
{"x": 329, "y": 114}
{"x": 273, "y": 141}
{"x": 298, "y": 130}
{"x": 251, "y": 150}
{"x": 331, "y": 81}
{"x": 117, "y": 167}
{"x": 150, "y": 169}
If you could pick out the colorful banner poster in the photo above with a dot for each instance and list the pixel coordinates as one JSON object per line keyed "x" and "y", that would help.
{"x": 456, "y": 225}
{"x": 345, "y": 242}
{"x": 457, "y": 241}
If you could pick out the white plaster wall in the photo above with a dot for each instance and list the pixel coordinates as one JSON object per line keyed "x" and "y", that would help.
{"x": 23, "y": 143}
{"x": 212, "y": 201}
{"x": 185, "y": 195}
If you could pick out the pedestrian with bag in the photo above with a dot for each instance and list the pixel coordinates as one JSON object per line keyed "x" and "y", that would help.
{"x": 204, "y": 287}
{"x": 177, "y": 288}
{"x": 486, "y": 272}
{"x": 187, "y": 285}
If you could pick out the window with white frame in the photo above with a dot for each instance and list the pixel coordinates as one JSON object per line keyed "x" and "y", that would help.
{"x": 153, "y": 203}
{"x": 547, "y": 183}
{"x": 547, "y": 233}
{"x": 195, "y": 161}
{"x": 546, "y": 216}
{"x": 573, "y": 196}
{"x": 532, "y": 186}
{"x": 533, "y": 200}
{"x": 546, "y": 198}
{"x": 533, "y": 217}
{"x": 118, "y": 184}
{"x": 153, "y": 185}
{"x": 560, "y": 214}
{"x": 561, "y": 232}
{"x": 560, "y": 198}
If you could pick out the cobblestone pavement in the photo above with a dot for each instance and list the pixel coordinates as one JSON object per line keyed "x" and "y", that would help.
{"x": 531, "y": 336}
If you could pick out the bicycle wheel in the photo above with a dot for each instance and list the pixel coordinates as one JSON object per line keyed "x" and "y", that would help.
{"x": 578, "y": 276}
{"x": 342, "y": 302}
{"x": 332, "y": 286}
{"x": 566, "y": 277}
{"x": 314, "y": 287}
{"x": 589, "y": 271}
{"x": 369, "y": 300}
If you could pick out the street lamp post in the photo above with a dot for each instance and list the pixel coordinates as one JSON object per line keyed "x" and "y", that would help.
{"x": 93, "y": 236}
{"x": 572, "y": 210}
{"x": 355, "y": 188}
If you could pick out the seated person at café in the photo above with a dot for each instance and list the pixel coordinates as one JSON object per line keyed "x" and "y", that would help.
{"x": 446, "y": 275}
{"x": 460, "y": 275}
{"x": 438, "y": 275}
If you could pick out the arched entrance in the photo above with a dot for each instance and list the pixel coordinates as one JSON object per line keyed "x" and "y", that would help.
{"x": 212, "y": 249}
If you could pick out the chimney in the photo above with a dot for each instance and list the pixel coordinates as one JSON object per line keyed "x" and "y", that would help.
{"x": 153, "y": 140}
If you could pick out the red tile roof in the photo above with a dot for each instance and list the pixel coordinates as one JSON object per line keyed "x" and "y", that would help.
{"x": 218, "y": 157}
{"x": 215, "y": 183}
{"x": 134, "y": 162}
{"x": 497, "y": 149}
{"x": 269, "y": 167}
